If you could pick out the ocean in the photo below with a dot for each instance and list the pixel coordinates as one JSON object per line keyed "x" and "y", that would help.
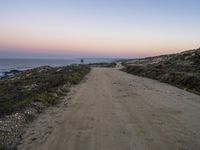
{"x": 25, "y": 64}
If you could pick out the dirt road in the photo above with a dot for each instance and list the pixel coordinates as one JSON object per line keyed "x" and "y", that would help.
{"x": 113, "y": 110}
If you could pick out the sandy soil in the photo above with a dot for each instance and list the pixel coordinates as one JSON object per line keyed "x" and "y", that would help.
{"x": 113, "y": 110}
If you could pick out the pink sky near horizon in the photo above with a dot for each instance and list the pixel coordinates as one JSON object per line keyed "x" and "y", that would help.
{"x": 114, "y": 29}
{"x": 92, "y": 43}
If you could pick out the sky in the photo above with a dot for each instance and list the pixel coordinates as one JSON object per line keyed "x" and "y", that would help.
{"x": 98, "y": 28}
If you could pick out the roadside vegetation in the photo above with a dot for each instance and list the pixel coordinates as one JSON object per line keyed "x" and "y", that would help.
{"x": 37, "y": 85}
{"x": 181, "y": 70}
{"x": 26, "y": 94}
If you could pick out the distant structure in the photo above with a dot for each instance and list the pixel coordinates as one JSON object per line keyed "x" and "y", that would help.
{"x": 82, "y": 61}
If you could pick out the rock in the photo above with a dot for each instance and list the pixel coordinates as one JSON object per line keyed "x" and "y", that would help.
{"x": 193, "y": 54}
{"x": 54, "y": 94}
{"x": 11, "y": 72}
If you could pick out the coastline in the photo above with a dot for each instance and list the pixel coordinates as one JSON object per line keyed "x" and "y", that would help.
{"x": 9, "y": 65}
{"x": 28, "y": 93}
{"x": 20, "y": 125}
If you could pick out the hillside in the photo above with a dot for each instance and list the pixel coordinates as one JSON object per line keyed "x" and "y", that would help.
{"x": 25, "y": 95}
{"x": 181, "y": 69}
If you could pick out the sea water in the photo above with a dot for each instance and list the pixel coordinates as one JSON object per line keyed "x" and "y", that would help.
{"x": 24, "y": 64}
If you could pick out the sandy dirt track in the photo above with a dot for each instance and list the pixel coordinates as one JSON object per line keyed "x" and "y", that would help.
{"x": 113, "y": 110}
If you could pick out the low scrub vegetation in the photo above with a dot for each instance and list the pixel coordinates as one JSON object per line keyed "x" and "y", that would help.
{"x": 181, "y": 70}
{"x": 37, "y": 85}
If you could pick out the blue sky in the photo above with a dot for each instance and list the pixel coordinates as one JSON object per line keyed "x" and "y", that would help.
{"x": 98, "y": 28}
